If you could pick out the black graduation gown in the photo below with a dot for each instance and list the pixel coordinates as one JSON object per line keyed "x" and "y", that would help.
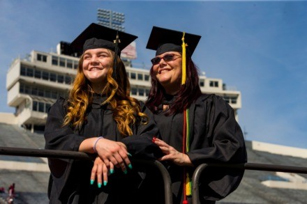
{"x": 70, "y": 179}
{"x": 215, "y": 137}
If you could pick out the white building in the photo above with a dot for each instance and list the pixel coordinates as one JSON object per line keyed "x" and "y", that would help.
{"x": 34, "y": 84}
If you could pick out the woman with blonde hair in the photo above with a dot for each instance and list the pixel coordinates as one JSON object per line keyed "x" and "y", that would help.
{"x": 100, "y": 118}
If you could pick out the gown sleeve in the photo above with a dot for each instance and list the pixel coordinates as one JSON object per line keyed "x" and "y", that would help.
{"x": 140, "y": 144}
{"x": 57, "y": 136}
{"x": 215, "y": 126}
{"x": 218, "y": 138}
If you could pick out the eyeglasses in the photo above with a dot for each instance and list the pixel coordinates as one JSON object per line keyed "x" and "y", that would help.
{"x": 167, "y": 58}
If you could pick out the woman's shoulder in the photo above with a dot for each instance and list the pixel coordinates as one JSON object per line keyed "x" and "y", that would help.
{"x": 61, "y": 102}
{"x": 209, "y": 97}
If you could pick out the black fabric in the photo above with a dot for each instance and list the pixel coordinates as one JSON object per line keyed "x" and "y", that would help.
{"x": 98, "y": 43}
{"x": 70, "y": 179}
{"x": 101, "y": 37}
{"x": 215, "y": 137}
{"x": 163, "y": 40}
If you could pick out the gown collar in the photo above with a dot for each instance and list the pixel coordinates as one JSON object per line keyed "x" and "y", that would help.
{"x": 97, "y": 100}
{"x": 167, "y": 100}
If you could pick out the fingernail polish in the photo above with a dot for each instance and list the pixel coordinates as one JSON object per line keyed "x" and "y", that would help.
{"x": 125, "y": 171}
{"x": 130, "y": 166}
{"x": 153, "y": 139}
{"x": 99, "y": 185}
{"x": 111, "y": 171}
{"x": 105, "y": 183}
{"x": 129, "y": 154}
{"x": 91, "y": 181}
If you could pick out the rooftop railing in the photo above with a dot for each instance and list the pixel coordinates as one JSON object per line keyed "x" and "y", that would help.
{"x": 28, "y": 152}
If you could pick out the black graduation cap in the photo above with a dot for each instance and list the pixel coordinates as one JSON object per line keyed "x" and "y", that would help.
{"x": 98, "y": 36}
{"x": 163, "y": 40}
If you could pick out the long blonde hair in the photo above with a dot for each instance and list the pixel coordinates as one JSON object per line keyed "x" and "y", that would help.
{"x": 125, "y": 109}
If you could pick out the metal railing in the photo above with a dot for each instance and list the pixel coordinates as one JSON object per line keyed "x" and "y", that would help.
{"x": 27, "y": 152}
{"x": 154, "y": 163}
{"x": 249, "y": 166}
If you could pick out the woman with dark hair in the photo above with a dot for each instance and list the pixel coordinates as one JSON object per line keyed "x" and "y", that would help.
{"x": 99, "y": 118}
{"x": 195, "y": 128}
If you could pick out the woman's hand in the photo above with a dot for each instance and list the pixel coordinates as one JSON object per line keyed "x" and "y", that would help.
{"x": 172, "y": 154}
{"x": 100, "y": 172}
{"x": 112, "y": 152}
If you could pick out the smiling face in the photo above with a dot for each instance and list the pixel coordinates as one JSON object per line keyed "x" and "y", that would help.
{"x": 95, "y": 66}
{"x": 168, "y": 71}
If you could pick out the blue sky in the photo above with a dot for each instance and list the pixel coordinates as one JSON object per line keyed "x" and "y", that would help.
{"x": 257, "y": 47}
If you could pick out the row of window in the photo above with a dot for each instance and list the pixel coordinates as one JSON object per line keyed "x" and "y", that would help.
{"x": 58, "y": 61}
{"x": 212, "y": 83}
{"x": 27, "y": 89}
{"x": 40, "y": 106}
{"x": 44, "y": 107}
{"x": 64, "y": 62}
{"x": 45, "y": 75}
{"x": 230, "y": 100}
{"x": 138, "y": 76}
{"x": 68, "y": 63}
{"x": 41, "y": 57}
{"x": 140, "y": 91}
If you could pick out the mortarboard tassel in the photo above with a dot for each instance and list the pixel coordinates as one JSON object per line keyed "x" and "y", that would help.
{"x": 186, "y": 143}
{"x": 183, "y": 59}
{"x": 116, "y": 42}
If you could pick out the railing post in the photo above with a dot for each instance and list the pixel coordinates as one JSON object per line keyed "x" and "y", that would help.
{"x": 165, "y": 175}
{"x": 195, "y": 179}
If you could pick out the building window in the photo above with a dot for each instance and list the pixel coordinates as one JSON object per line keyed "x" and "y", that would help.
{"x": 133, "y": 75}
{"x": 60, "y": 78}
{"x": 41, "y": 107}
{"x": 47, "y": 106}
{"x": 147, "y": 92}
{"x": 41, "y": 57}
{"x": 41, "y": 92}
{"x": 54, "y": 95}
{"x": 141, "y": 91}
{"x": 140, "y": 76}
{"x": 201, "y": 83}
{"x": 52, "y": 77}
{"x": 146, "y": 77}
{"x": 134, "y": 91}
{"x": 22, "y": 70}
{"x": 55, "y": 60}
{"x": 68, "y": 80}
{"x": 75, "y": 65}
{"x": 45, "y": 75}
{"x": 69, "y": 63}
{"x": 29, "y": 72}
{"x": 27, "y": 90}
{"x": 34, "y": 91}
{"x": 34, "y": 106}
{"x": 21, "y": 89}
{"x": 213, "y": 83}
{"x": 37, "y": 74}
{"x": 62, "y": 62}
{"x": 47, "y": 94}
{"x": 233, "y": 100}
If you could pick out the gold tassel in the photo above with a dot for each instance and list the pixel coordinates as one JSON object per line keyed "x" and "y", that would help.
{"x": 183, "y": 59}
{"x": 188, "y": 185}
